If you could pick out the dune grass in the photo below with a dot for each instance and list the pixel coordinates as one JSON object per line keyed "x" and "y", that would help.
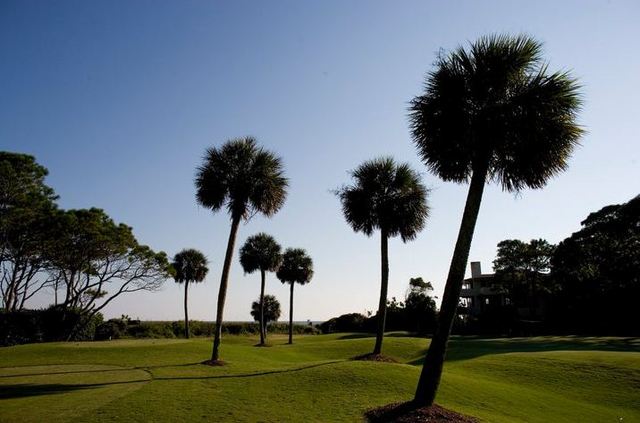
{"x": 498, "y": 380}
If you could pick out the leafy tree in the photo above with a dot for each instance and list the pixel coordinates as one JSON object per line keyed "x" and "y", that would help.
{"x": 296, "y": 267}
{"x": 389, "y": 197}
{"x": 597, "y": 272}
{"x": 523, "y": 268}
{"x": 261, "y": 252}
{"x": 419, "y": 284}
{"x": 96, "y": 260}
{"x": 267, "y": 310}
{"x": 189, "y": 265}
{"x": 489, "y": 112}
{"x": 26, "y": 207}
{"x": 245, "y": 179}
{"x": 420, "y": 307}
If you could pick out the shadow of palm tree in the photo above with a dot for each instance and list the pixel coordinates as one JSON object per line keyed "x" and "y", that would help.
{"x": 31, "y": 390}
{"x": 114, "y": 369}
{"x": 465, "y": 348}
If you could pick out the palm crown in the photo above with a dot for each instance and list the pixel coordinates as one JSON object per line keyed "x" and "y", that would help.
{"x": 296, "y": 267}
{"x": 260, "y": 252}
{"x": 190, "y": 266}
{"x": 243, "y": 177}
{"x": 494, "y": 108}
{"x": 385, "y": 195}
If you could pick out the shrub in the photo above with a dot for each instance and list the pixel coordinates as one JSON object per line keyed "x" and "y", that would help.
{"x": 352, "y": 322}
{"x": 51, "y": 324}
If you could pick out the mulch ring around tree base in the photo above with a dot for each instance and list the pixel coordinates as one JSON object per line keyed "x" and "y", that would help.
{"x": 375, "y": 357}
{"x": 214, "y": 363}
{"x": 405, "y": 412}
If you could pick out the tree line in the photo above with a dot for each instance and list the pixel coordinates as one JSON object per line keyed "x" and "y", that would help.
{"x": 587, "y": 284}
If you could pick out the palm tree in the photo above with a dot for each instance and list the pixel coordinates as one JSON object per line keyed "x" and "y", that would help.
{"x": 261, "y": 252}
{"x": 269, "y": 310}
{"x": 389, "y": 197}
{"x": 296, "y": 267}
{"x": 189, "y": 265}
{"x": 491, "y": 112}
{"x": 245, "y": 179}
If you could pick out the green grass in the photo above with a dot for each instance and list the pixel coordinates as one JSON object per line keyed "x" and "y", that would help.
{"x": 558, "y": 379}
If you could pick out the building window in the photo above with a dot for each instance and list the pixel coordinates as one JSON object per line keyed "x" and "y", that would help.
{"x": 466, "y": 285}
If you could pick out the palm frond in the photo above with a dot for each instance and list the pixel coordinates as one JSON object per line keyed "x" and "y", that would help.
{"x": 385, "y": 195}
{"x": 495, "y": 104}
{"x": 244, "y": 178}
{"x": 260, "y": 252}
{"x": 296, "y": 267}
{"x": 190, "y": 265}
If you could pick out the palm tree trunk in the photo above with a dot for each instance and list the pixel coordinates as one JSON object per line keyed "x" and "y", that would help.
{"x": 432, "y": 368}
{"x": 384, "y": 285}
{"x": 291, "y": 314}
{"x": 263, "y": 327}
{"x": 222, "y": 294}
{"x": 186, "y": 311}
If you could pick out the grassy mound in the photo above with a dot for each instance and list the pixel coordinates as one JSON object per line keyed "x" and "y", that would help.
{"x": 315, "y": 379}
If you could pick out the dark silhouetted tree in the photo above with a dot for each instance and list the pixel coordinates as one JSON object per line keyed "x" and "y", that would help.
{"x": 491, "y": 112}
{"x": 269, "y": 308}
{"x": 245, "y": 179}
{"x": 189, "y": 265}
{"x": 389, "y": 197}
{"x": 420, "y": 307}
{"x": 597, "y": 273}
{"x": 261, "y": 252}
{"x": 296, "y": 267}
{"x": 522, "y": 269}
{"x": 27, "y": 206}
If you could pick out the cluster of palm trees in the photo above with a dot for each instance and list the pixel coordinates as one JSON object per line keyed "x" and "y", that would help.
{"x": 489, "y": 112}
{"x": 262, "y": 252}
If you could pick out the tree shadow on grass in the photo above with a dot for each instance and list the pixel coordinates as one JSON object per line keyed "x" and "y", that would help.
{"x": 356, "y": 336}
{"x": 465, "y": 348}
{"x": 361, "y": 335}
{"x": 114, "y": 369}
{"x": 32, "y": 390}
{"x": 255, "y": 374}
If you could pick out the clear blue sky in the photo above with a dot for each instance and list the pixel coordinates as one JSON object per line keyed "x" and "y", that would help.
{"x": 119, "y": 99}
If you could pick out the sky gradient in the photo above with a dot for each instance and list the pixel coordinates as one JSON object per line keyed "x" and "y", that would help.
{"x": 120, "y": 99}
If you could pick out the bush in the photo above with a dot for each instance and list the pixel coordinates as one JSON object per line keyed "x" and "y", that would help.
{"x": 111, "y": 329}
{"x": 52, "y": 324}
{"x": 56, "y": 324}
{"x": 352, "y": 322}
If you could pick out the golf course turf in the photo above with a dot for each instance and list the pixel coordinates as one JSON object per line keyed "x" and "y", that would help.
{"x": 559, "y": 379}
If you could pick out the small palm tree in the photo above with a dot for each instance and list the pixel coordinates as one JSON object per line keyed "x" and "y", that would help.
{"x": 269, "y": 311}
{"x": 245, "y": 179}
{"x": 296, "y": 267}
{"x": 489, "y": 113}
{"x": 389, "y": 197}
{"x": 189, "y": 265}
{"x": 261, "y": 252}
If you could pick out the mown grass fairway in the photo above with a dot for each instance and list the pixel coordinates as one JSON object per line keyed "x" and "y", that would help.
{"x": 498, "y": 380}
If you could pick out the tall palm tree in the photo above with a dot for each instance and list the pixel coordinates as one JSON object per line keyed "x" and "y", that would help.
{"x": 296, "y": 267}
{"x": 389, "y": 197}
{"x": 261, "y": 252}
{"x": 491, "y": 112}
{"x": 189, "y": 265}
{"x": 245, "y": 179}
